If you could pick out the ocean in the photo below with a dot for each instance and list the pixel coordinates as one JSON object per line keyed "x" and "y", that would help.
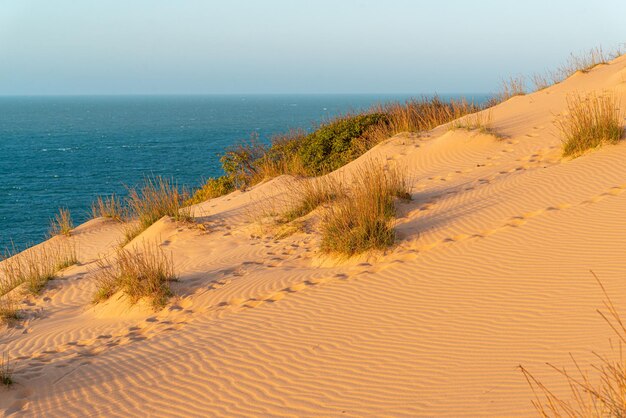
{"x": 65, "y": 151}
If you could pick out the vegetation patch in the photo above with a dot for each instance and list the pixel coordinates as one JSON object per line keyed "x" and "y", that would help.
{"x": 214, "y": 187}
{"x": 145, "y": 272}
{"x": 9, "y": 311}
{"x": 480, "y": 122}
{"x": 364, "y": 219}
{"x": 156, "y": 198}
{"x": 36, "y": 266}
{"x": 583, "y": 62}
{"x": 333, "y": 144}
{"x": 590, "y": 121}
{"x": 308, "y": 194}
{"x": 62, "y": 223}
{"x": 6, "y": 371}
{"x": 108, "y": 207}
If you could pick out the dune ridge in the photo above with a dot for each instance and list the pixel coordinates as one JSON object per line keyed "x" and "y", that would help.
{"x": 490, "y": 270}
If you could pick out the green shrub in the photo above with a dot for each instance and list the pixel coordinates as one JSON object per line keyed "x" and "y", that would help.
{"x": 214, "y": 187}
{"x": 239, "y": 162}
{"x": 330, "y": 147}
{"x": 282, "y": 156}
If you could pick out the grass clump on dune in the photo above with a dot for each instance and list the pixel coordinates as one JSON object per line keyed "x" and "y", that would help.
{"x": 157, "y": 197}
{"x": 590, "y": 121}
{"x": 514, "y": 86}
{"x": 145, "y": 272}
{"x": 604, "y": 397}
{"x": 583, "y": 62}
{"x": 36, "y": 266}
{"x": 9, "y": 311}
{"x": 62, "y": 223}
{"x": 364, "y": 219}
{"x": 308, "y": 194}
{"x": 480, "y": 122}
{"x": 108, "y": 207}
{"x": 6, "y": 371}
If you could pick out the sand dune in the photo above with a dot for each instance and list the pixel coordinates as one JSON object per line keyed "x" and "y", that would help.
{"x": 491, "y": 270}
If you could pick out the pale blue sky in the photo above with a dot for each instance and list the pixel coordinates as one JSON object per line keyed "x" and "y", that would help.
{"x": 297, "y": 46}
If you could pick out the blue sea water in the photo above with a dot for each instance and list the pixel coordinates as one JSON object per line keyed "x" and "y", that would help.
{"x": 65, "y": 151}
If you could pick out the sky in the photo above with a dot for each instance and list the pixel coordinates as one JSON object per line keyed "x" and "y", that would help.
{"x": 292, "y": 46}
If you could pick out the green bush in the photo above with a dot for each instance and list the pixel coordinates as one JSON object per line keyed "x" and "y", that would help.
{"x": 240, "y": 162}
{"x": 331, "y": 146}
{"x": 214, "y": 187}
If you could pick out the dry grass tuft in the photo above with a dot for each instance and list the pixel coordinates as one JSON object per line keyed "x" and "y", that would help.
{"x": 584, "y": 62}
{"x": 514, "y": 86}
{"x": 480, "y": 121}
{"x": 6, "y": 371}
{"x": 109, "y": 207}
{"x": 145, "y": 272}
{"x": 364, "y": 219}
{"x": 36, "y": 266}
{"x": 157, "y": 197}
{"x": 416, "y": 115}
{"x": 590, "y": 121}
{"x": 541, "y": 81}
{"x": 62, "y": 223}
{"x": 605, "y": 397}
{"x": 307, "y": 194}
{"x": 9, "y": 310}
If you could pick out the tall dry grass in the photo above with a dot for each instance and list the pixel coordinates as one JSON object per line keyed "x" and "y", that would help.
{"x": 583, "y": 62}
{"x": 9, "y": 310}
{"x": 590, "y": 121}
{"x": 599, "y": 397}
{"x": 6, "y": 371}
{"x": 306, "y": 194}
{"x": 479, "y": 121}
{"x": 416, "y": 115}
{"x": 145, "y": 272}
{"x": 364, "y": 219}
{"x": 36, "y": 266}
{"x": 157, "y": 197}
{"x": 541, "y": 81}
{"x": 62, "y": 223}
{"x": 107, "y": 207}
{"x": 511, "y": 87}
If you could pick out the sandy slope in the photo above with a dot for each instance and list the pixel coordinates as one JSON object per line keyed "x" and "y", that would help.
{"x": 491, "y": 271}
